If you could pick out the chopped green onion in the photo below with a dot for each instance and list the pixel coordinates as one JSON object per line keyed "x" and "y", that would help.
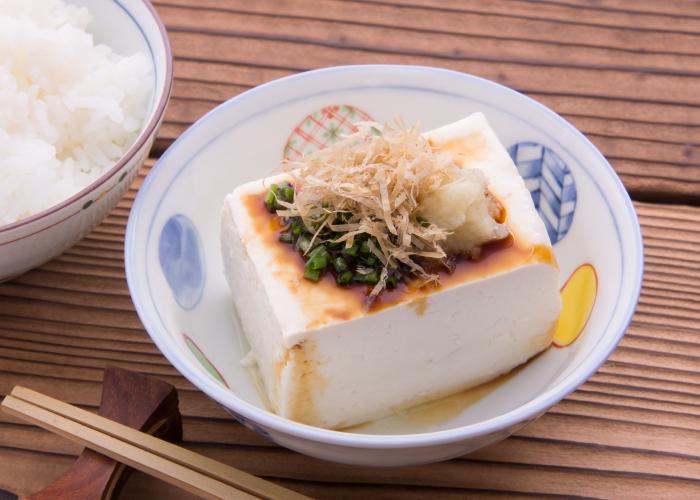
{"x": 317, "y": 263}
{"x": 303, "y": 243}
{"x": 340, "y": 265}
{"x": 364, "y": 247}
{"x": 314, "y": 224}
{"x": 297, "y": 226}
{"x": 333, "y": 245}
{"x": 344, "y": 278}
{"x": 319, "y": 250}
{"x": 371, "y": 278}
{"x": 312, "y": 274}
{"x": 270, "y": 201}
{"x": 318, "y": 258}
{"x": 327, "y": 251}
{"x": 352, "y": 251}
{"x": 286, "y": 237}
{"x": 288, "y": 194}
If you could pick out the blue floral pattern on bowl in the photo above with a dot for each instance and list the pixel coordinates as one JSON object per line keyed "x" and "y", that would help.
{"x": 551, "y": 185}
{"x": 180, "y": 255}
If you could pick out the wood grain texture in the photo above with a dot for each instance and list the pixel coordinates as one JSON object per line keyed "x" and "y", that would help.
{"x": 635, "y": 424}
{"x": 625, "y": 72}
{"x": 626, "y": 77}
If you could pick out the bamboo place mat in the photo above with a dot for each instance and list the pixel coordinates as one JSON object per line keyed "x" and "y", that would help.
{"x": 624, "y": 72}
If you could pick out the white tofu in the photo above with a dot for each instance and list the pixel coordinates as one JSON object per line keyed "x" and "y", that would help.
{"x": 326, "y": 361}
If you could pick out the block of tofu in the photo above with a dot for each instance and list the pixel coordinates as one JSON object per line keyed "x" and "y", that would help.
{"x": 325, "y": 360}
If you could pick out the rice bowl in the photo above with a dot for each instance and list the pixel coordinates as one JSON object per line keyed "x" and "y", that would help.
{"x": 48, "y": 227}
{"x": 70, "y": 107}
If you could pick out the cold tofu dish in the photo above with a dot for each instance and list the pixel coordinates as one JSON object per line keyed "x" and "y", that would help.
{"x": 387, "y": 270}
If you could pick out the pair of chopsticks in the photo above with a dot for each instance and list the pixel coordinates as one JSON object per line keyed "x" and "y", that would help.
{"x": 188, "y": 470}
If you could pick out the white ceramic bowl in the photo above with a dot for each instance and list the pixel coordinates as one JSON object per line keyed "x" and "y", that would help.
{"x": 184, "y": 302}
{"x": 128, "y": 26}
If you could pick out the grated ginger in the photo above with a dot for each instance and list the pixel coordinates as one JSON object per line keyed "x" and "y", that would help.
{"x": 389, "y": 182}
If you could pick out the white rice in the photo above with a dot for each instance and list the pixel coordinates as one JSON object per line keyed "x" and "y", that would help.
{"x": 69, "y": 108}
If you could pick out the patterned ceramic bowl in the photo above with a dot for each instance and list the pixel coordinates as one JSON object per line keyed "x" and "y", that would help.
{"x": 183, "y": 300}
{"x": 127, "y": 26}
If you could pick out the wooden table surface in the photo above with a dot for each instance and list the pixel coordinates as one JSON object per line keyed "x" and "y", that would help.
{"x": 626, "y": 73}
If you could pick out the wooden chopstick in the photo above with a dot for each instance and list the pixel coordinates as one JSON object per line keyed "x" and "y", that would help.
{"x": 188, "y": 470}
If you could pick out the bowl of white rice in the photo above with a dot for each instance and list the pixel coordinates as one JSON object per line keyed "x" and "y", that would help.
{"x": 83, "y": 89}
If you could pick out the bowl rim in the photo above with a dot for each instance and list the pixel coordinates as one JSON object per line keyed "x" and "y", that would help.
{"x": 145, "y": 134}
{"x": 518, "y": 416}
